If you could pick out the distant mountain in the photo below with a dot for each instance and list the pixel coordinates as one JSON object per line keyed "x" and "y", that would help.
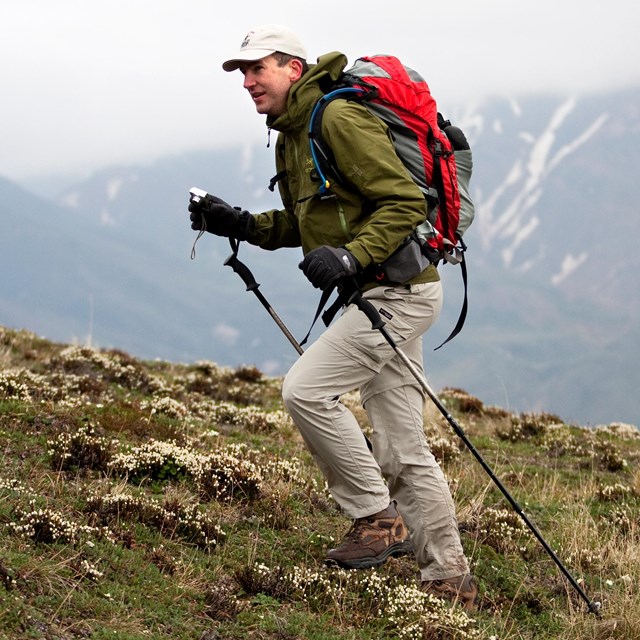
{"x": 554, "y": 279}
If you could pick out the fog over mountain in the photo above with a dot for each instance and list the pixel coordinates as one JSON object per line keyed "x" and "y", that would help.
{"x": 553, "y": 278}
{"x": 89, "y": 84}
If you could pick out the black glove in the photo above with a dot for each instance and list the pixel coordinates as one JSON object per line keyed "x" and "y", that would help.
{"x": 324, "y": 265}
{"x": 216, "y": 216}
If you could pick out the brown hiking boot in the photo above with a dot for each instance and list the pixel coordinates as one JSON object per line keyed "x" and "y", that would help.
{"x": 462, "y": 590}
{"x": 372, "y": 540}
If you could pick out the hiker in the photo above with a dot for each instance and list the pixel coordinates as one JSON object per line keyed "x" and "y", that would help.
{"x": 396, "y": 493}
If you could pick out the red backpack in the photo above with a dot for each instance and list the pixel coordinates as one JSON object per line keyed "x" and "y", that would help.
{"x": 401, "y": 98}
{"x": 435, "y": 153}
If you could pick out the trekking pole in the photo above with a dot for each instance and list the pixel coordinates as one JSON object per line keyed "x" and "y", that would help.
{"x": 245, "y": 273}
{"x": 377, "y": 323}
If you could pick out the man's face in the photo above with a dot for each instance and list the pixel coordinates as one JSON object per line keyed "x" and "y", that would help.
{"x": 268, "y": 84}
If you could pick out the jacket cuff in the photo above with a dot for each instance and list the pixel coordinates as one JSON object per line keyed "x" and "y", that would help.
{"x": 359, "y": 254}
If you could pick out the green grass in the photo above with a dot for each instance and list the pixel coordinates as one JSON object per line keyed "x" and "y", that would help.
{"x": 159, "y": 500}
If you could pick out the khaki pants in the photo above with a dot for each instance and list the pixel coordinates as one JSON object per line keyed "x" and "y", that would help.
{"x": 351, "y": 355}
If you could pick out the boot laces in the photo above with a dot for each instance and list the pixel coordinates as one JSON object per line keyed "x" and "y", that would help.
{"x": 355, "y": 531}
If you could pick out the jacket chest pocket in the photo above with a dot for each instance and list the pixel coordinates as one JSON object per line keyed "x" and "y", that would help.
{"x": 323, "y": 221}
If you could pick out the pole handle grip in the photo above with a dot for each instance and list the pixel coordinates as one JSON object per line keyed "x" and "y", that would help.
{"x": 367, "y": 308}
{"x": 242, "y": 270}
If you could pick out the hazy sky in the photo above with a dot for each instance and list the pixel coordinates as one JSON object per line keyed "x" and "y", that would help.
{"x": 86, "y": 83}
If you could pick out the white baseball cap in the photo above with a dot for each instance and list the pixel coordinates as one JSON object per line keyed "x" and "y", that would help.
{"x": 265, "y": 40}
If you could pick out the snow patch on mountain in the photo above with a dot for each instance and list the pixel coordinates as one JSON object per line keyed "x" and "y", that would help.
{"x": 106, "y": 219}
{"x": 71, "y": 199}
{"x": 508, "y": 214}
{"x": 569, "y": 264}
{"x": 113, "y": 187}
{"x": 588, "y": 133}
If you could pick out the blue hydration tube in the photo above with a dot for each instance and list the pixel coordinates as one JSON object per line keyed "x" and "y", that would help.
{"x": 324, "y": 181}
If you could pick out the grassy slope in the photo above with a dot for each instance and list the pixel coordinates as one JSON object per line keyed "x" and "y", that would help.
{"x": 156, "y": 500}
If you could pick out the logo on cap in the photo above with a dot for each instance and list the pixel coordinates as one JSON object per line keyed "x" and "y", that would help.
{"x": 247, "y": 39}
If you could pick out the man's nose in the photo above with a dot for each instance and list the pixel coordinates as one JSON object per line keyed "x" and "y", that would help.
{"x": 248, "y": 81}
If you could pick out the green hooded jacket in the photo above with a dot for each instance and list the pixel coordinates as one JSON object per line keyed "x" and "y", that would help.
{"x": 376, "y": 206}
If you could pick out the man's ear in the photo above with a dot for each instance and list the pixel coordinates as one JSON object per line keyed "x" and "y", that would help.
{"x": 295, "y": 67}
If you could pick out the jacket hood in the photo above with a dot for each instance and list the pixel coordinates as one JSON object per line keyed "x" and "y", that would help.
{"x": 308, "y": 90}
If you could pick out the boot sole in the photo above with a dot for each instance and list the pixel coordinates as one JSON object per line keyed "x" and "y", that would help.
{"x": 398, "y": 549}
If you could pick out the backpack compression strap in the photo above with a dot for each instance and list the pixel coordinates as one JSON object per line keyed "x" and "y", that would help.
{"x": 463, "y": 312}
